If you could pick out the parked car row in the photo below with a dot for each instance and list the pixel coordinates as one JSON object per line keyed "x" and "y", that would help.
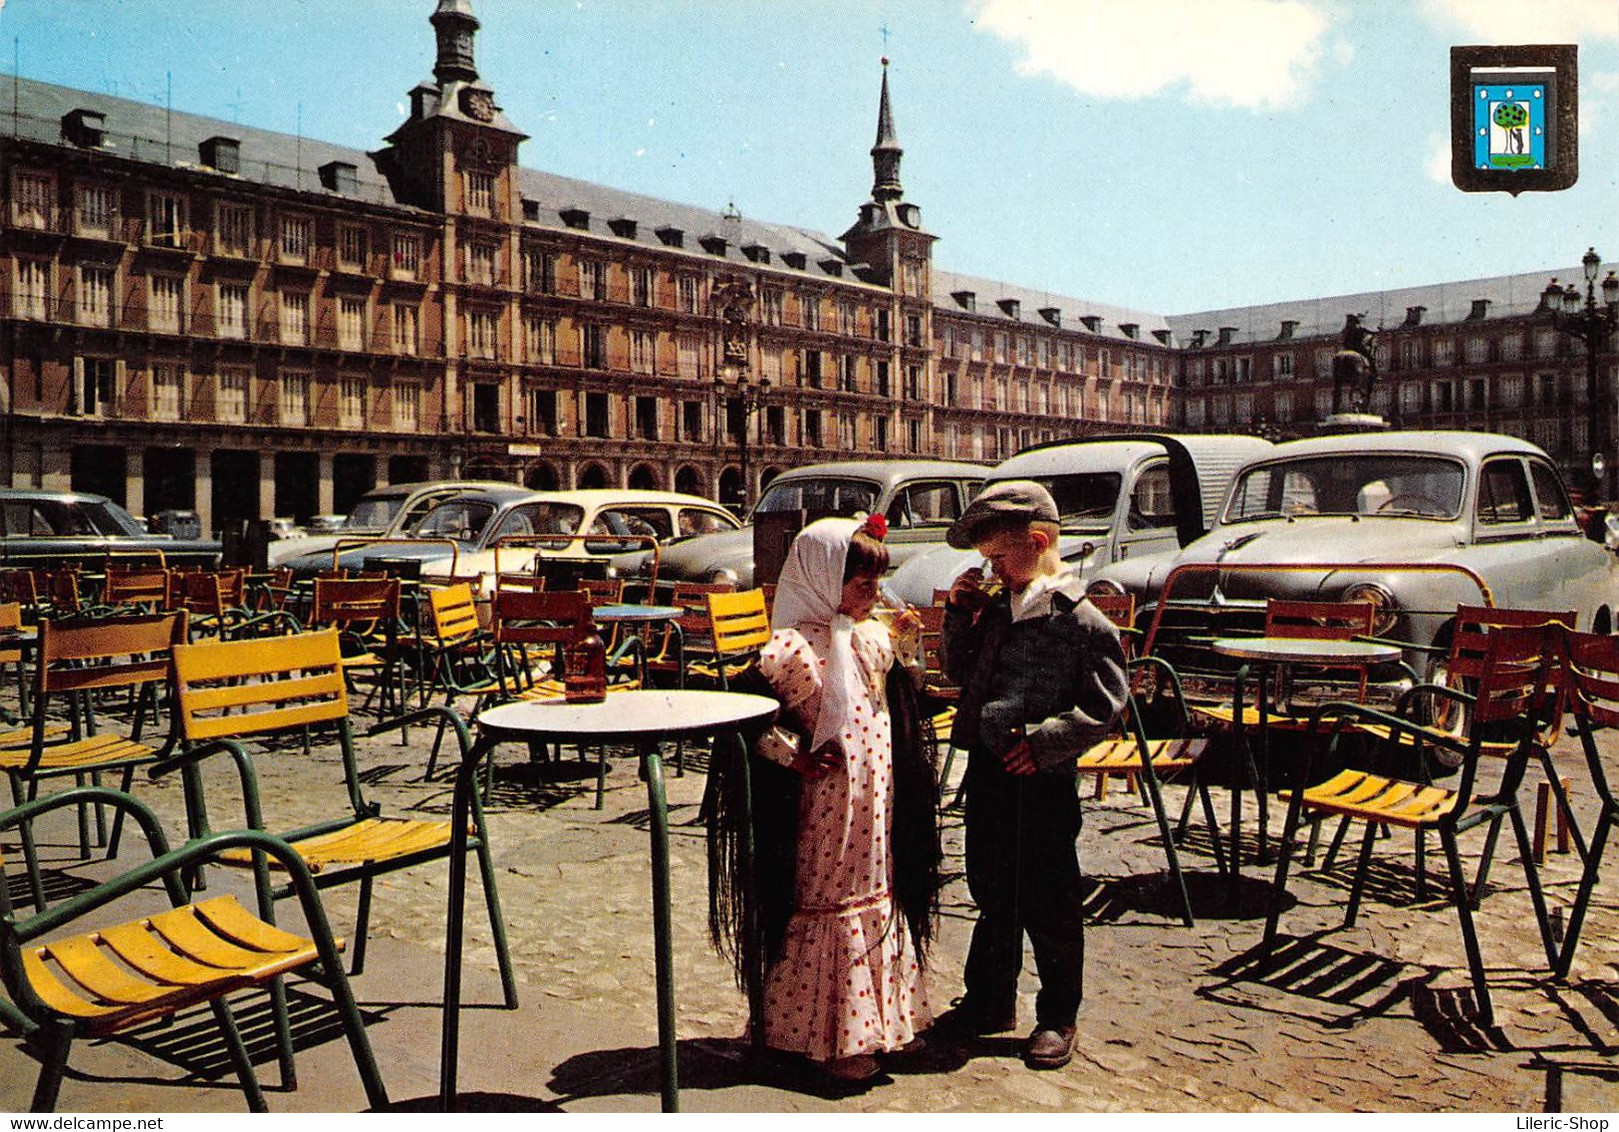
{"x": 52, "y": 528}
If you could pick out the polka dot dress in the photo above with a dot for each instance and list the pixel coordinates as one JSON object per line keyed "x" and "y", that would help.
{"x": 847, "y": 982}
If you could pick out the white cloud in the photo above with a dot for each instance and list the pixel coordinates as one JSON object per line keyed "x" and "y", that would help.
{"x": 1252, "y": 54}
{"x": 1437, "y": 165}
{"x": 1512, "y": 21}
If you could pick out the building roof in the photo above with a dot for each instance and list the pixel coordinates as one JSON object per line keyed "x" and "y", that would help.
{"x": 996, "y": 300}
{"x": 1504, "y": 296}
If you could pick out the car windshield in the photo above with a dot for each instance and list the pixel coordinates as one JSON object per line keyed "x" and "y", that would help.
{"x": 834, "y": 496}
{"x": 1349, "y": 483}
{"x": 373, "y": 513}
{"x": 1084, "y": 500}
{"x": 460, "y": 519}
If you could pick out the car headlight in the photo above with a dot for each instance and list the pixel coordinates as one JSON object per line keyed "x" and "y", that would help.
{"x": 1384, "y": 609}
{"x": 1112, "y": 589}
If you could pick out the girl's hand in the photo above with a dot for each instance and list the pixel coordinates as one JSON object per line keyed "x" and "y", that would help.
{"x": 820, "y": 762}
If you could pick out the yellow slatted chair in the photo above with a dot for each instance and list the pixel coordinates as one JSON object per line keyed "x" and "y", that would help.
{"x": 228, "y": 693}
{"x": 687, "y": 638}
{"x": 1120, "y": 609}
{"x": 105, "y": 979}
{"x": 457, "y": 656}
{"x": 1518, "y": 687}
{"x": 738, "y": 626}
{"x": 76, "y": 663}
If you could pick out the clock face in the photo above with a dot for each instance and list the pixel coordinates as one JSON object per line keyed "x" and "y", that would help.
{"x": 478, "y": 104}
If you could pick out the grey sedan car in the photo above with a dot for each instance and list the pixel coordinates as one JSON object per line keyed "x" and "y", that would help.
{"x": 1416, "y": 523}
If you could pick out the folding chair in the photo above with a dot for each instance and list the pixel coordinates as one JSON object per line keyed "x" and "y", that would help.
{"x": 1517, "y": 688}
{"x": 1591, "y": 681}
{"x": 365, "y": 611}
{"x": 230, "y": 692}
{"x": 738, "y": 627}
{"x": 110, "y": 977}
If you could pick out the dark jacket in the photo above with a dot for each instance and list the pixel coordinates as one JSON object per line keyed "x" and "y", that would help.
{"x": 1058, "y": 676}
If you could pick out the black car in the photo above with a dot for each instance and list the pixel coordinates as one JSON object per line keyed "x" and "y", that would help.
{"x": 49, "y": 528}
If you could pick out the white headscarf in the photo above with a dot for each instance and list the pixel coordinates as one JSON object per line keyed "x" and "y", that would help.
{"x": 809, "y": 592}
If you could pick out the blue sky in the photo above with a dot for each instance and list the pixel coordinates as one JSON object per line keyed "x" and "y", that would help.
{"x": 1171, "y": 155}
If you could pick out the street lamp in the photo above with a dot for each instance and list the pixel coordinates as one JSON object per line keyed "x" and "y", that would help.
{"x": 1592, "y": 324}
{"x": 735, "y": 386}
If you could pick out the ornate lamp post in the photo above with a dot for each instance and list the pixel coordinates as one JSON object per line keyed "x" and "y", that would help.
{"x": 1592, "y": 323}
{"x": 735, "y": 387}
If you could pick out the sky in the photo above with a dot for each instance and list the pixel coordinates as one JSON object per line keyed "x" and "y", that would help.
{"x": 1172, "y": 156}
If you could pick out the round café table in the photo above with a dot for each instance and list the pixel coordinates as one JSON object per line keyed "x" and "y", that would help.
{"x": 645, "y": 718}
{"x": 1278, "y": 655}
{"x": 640, "y": 616}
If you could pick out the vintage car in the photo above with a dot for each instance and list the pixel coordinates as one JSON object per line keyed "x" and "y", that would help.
{"x": 384, "y": 511}
{"x": 920, "y": 498}
{"x": 1118, "y": 497}
{"x": 1416, "y": 523}
{"x": 474, "y": 533}
{"x": 49, "y": 528}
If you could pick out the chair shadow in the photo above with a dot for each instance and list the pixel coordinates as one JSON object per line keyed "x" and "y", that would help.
{"x": 191, "y": 1042}
{"x": 704, "y": 1063}
{"x": 1354, "y": 986}
{"x": 60, "y": 884}
{"x": 1113, "y": 900}
{"x": 478, "y": 1102}
{"x": 542, "y": 785}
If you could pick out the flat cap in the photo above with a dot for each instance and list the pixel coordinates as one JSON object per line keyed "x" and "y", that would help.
{"x": 1010, "y": 499}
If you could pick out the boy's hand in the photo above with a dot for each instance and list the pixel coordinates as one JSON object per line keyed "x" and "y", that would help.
{"x": 1019, "y": 759}
{"x": 967, "y": 590}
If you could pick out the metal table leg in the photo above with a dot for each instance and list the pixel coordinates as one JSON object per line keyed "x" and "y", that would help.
{"x": 662, "y": 941}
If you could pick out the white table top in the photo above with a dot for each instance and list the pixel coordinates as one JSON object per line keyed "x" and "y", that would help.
{"x": 628, "y": 612}
{"x": 1305, "y": 650}
{"x": 645, "y": 713}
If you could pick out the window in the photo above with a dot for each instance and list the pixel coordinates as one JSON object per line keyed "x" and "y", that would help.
{"x": 95, "y": 210}
{"x": 883, "y": 389}
{"x": 231, "y": 404}
{"x": 540, "y": 340}
{"x": 879, "y": 434}
{"x": 846, "y": 318}
{"x": 233, "y": 310}
{"x": 913, "y": 383}
{"x": 164, "y": 302}
{"x": 167, "y": 380}
{"x": 593, "y": 345}
{"x": 1042, "y": 353}
{"x": 1545, "y": 343}
{"x": 811, "y": 307}
{"x": 913, "y": 435}
{"x": 1551, "y": 502}
{"x": 481, "y": 193}
{"x": 1025, "y": 352}
{"x": 770, "y": 365}
{"x": 481, "y": 264}
{"x": 1281, "y": 366}
{"x": 351, "y": 402}
{"x": 33, "y": 201}
{"x": 593, "y": 279}
{"x": 485, "y": 407}
{"x": 1001, "y": 343}
{"x": 481, "y": 331}
{"x": 690, "y": 351}
{"x": 812, "y": 427}
{"x": 1509, "y": 390}
{"x": 405, "y": 332}
{"x": 913, "y": 330}
{"x": 977, "y": 352}
{"x": 235, "y": 230}
{"x": 913, "y": 277}
{"x": 407, "y": 405}
{"x": 539, "y": 271}
{"x": 1511, "y": 347}
{"x": 885, "y": 326}
{"x": 353, "y": 246}
{"x": 350, "y": 322}
{"x": 812, "y": 368}
{"x": 596, "y": 415}
{"x": 1503, "y": 493}
{"x": 407, "y": 257}
{"x": 691, "y": 420}
{"x": 641, "y": 350}
{"x": 542, "y": 412}
{"x": 295, "y": 399}
{"x": 95, "y": 295}
{"x": 846, "y": 431}
{"x": 643, "y": 282}
{"x": 297, "y": 234}
{"x": 96, "y": 386}
{"x": 1475, "y": 350}
{"x": 294, "y": 318}
{"x": 646, "y": 418}
{"x": 686, "y": 293}
{"x": 847, "y": 373}
{"x": 33, "y": 288}
{"x": 771, "y": 304}
{"x": 1444, "y": 352}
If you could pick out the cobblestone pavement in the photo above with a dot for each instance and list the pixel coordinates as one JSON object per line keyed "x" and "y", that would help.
{"x": 1175, "y": 1018}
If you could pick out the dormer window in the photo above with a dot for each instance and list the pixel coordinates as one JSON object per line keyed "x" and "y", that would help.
{"x": 671, "y": 236}
{"x": 796, "y": 260}
{"x": 966, "y": 300}
{"x": 1481, "y": 309}
{"x": 85, "y": 128}
{"x": 340, "y": 177}
{"x": 575, "y": 218}
{"x": 1052, "y": 315}
{"x": 714, "y": 245}
{"x": 1131, "y": 329}
{"x": 1011, "y": 307}
{"x": 623, "y": 227}
{"x": 758, "y": 253}
{"x": 831, "y": 266}
{"x": 1289, "y": 325}
{"x": 222, "y": 153}
{"x": 1226, "y": 333}
{"x": 1413, "y": 315}
{"x": 1092, "y": 322}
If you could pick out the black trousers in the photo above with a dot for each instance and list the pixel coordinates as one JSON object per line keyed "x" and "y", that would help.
{"x": 1023, "y": 874}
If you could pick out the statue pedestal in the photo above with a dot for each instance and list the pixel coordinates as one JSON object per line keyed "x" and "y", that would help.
{"x": 1354, "y": 422}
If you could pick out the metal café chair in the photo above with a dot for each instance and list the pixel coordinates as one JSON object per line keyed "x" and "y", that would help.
{"x": 1591, "y": 683}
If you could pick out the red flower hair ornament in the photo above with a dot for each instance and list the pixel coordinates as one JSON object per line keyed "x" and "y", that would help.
{"x": 876, "y": 526}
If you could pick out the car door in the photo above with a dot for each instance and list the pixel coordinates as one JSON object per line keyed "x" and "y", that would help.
{"x": 919, "y": 514}
{"x": 1507, "y": 550}
{"x": 1579, "y": 571}
{"x": 1147, "y": 524}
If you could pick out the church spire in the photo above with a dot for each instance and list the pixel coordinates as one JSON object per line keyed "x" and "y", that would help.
{"x": 885, "y": 155}
{"x": 455, "y": 25}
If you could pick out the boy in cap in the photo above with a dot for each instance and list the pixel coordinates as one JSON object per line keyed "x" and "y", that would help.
{"x": 1042, "y": 678}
